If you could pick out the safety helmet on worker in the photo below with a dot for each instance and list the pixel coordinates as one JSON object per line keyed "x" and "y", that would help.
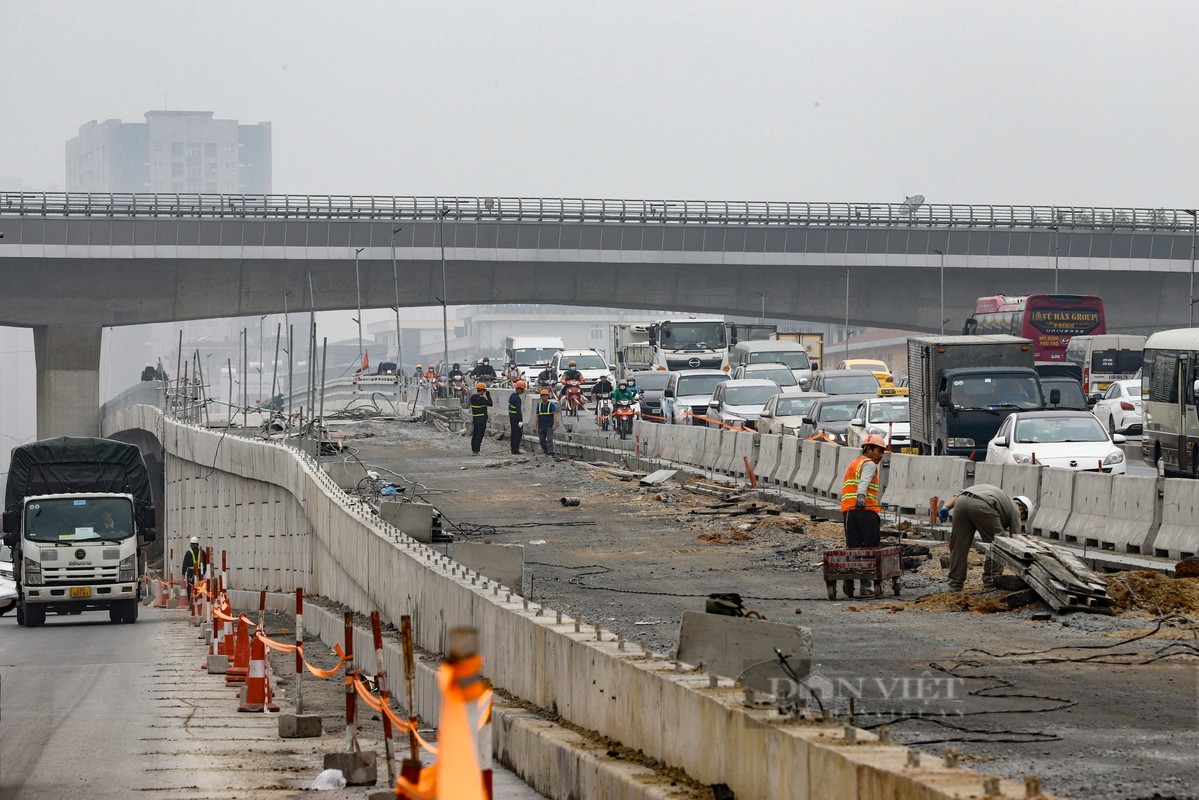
{"x": 480, "y": 385}
{"x": 1024, "y": 501}
{"x": 195, "y": 540}
{"x": 520, "y": 385}
{"x": 876, "y": 440}
{"x": 545, "y": 392}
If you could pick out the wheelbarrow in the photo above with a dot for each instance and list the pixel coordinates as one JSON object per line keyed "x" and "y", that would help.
{"x": 863, "y": 563}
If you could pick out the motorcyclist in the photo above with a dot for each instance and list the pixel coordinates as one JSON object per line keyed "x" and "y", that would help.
{"x": 571, "y": 373}
{"x": 602, "y": 387}
{"x": 634, "y": 388}
{"x": 513, "y": 373}
{"x": 483, "y": 371}
{"x": 456, "y": 372}
{"x": 622, "y": 393}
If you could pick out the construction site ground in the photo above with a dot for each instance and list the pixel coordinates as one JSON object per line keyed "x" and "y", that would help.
{"x": 1096, "y": 706}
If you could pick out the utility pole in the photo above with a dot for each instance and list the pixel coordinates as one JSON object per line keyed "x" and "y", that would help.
{"x": 395, "y": 274}
{"x": 445, "y": 324}
{"x": 941, "y": 253}
{"x": 358, "y": 295}
{"x": 1191, "y": 294}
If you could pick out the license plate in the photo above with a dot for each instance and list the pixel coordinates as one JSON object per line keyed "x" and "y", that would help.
{"x": 81, "y": 591}
{"x": 911, "y": 451}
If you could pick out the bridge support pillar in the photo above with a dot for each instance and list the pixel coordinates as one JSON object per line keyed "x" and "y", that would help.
{"x": 68, "y": 379}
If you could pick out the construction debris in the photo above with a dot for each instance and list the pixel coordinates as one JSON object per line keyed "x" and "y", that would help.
{"x": 661, "y": 476}
{"x": 1153, "y": 593}
{"x": 1060, "y": 579}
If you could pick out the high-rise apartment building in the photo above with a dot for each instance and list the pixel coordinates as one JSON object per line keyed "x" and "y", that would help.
{"x": 172, "y": 151}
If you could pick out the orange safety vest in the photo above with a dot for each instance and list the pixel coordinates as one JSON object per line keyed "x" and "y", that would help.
{"x": 849, "y": 491}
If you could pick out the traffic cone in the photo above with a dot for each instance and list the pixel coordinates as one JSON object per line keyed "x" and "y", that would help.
{"x": 256, "y": 699}
{"x": 160, "y": 597}
{"x": 241, "y": 654}
{"x": 181, "y": 587}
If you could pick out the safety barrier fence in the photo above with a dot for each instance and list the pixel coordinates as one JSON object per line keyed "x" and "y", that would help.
{"x": 286, "y": 525}
{"x": 539, "y": 209}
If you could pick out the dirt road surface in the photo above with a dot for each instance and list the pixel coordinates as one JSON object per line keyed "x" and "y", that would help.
{"x": 1066, "y": 699}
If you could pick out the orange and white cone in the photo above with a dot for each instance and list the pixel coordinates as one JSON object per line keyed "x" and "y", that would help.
{"x": 241, "y": 653}
{"x": 256, "y": 699}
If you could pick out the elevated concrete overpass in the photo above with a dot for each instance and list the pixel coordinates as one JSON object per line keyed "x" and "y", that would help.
{"x": 72, "y": 264}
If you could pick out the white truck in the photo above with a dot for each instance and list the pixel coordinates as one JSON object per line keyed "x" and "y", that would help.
{"x": 531, "y": 353}
{"x": 813, "y": 344}
{"x": 74, "y": 510}
{"x": 681, "y": 343}
{"x": 630, "y": 348}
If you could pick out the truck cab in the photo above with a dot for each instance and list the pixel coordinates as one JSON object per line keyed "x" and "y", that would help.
{"x": 972, "y": 403}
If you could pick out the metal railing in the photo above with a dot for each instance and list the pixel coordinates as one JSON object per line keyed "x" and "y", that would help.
{"x": 561, "y": 210}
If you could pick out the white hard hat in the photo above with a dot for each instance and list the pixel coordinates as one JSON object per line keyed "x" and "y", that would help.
{"x": 1024, "y": 501}
{"x": 195, "y": 540}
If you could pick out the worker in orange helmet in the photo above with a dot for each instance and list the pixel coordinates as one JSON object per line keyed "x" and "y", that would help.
{"x": 516, "y": 415}
{"x": 859, "y": 502}
{"x": 480, "y": 401}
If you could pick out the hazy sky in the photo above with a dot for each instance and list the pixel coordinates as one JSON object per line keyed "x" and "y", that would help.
{"x": 964, "y": 102}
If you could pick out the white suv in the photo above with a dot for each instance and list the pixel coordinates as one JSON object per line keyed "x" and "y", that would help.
{"x": 588, "y": 362}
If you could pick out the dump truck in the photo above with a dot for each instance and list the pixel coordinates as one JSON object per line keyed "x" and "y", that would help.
{"x": 76, "y": 509}
{"x": 961, "y": 388}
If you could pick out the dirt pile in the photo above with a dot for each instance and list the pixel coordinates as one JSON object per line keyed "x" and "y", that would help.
{"x": 1154, "y": 593}
{"x": 721, "y": 537}
{"x": 959, "y": 601}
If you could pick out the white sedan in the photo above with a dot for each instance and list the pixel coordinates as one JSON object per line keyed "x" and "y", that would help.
{"x": 1120, "y": 407}
{"x": 1063, "y": 439}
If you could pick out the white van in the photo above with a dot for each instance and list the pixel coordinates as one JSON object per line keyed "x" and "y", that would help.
{"x": 1105, "y": 358}
{"x": 791, "y": 354}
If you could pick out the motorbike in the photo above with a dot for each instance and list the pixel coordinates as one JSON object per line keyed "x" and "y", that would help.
{"x": 603, "y": 410}
{"x": 458, "y": 388}
{"x": 573, "y": 397}
{"x": 623, "y": 418}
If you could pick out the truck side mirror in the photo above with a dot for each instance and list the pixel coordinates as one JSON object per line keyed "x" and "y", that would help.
{"x": 668, "y": 392}
{"x": 1055, "y": 397}
{"x": 12, "y": 524}
{"x": 943, "y": 399}
{"x": 146, "y": 518}
{"x": 10, "y": 540}
{"x": 856, "y": 422}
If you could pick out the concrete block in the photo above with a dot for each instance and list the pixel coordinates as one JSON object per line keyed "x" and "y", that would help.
{"x": 414, "y": 519}
{"x": 989, "y": 473}
{"x": 218, "y": 665}
{"x": 362, "y": 771}
{"x": 769, "y": 448}
{"x": 1113, "y": 512}
{"x": 827, "y": 473}
{"x": 1178, "y": 534}
{"x": 500, "y": 562}
{"x": 727, "y": 646}
{"x": 1054, "y": 504}
{"x": 299, "y": 726}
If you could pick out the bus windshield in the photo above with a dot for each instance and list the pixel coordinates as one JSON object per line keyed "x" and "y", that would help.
{"x": 693, "y": 335}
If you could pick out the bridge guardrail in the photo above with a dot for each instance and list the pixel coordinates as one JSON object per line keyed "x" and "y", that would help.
{"x": 537, "y": 209}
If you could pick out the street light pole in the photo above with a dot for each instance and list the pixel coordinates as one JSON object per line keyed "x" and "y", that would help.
{"x": 846, "y": 314}
{"x": 762, "y": 318}
{"x": 358, "y": 297}
{"x": 396, "y": 276}
{"x": 445, "y": 325}
{"x": 1056, "y": 234}
{"x": 1191, "y": 294}
{"x": 941, "y": 253}
{"x": 287, "y": 324}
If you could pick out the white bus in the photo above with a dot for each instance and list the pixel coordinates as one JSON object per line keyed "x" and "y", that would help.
{"x": 1169, "y": 384}
{"x": 1104, "y": 359}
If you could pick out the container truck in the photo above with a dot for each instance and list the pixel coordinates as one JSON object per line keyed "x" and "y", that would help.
{"x": 963, "y": 387}
{"x": 75, "y": 508}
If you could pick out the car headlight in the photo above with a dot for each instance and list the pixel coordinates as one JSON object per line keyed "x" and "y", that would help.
{"x": 33, "y": 572}
{"x": 1021, "y": 458}
{"x": 963, "y": 442}
{"x": 1115, "y": 458}
{"x": 127, "y": 569}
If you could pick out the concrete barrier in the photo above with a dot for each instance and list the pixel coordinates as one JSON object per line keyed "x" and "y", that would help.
{"x": 788, "y": 464}
{"x": 1178, "y": 536}
{"x": 728, "y": 452}
{"x": 826, "y": 469}
{"x": 1054, "y": 504}
{"x": 767, "y": 463}
{"x": 989, "y": 473}
{"x": 1022, "y": 479}
{"x": 1112, "y": 512}
{"x": 708, "y": 451}
{"x": 745, "y": 444}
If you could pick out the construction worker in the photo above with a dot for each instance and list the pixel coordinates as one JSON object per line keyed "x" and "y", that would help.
{"x": 480, "y": 401}
{"x": 859, "y": 502}
{"x": 988, "y": 511}
{"x": 195, "y": 564}
{"x": 516, "y": 415}
{"x": 547, "y": 420}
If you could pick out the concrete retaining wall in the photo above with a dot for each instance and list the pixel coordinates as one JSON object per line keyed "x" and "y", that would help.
{"x": 1112, "y": 512}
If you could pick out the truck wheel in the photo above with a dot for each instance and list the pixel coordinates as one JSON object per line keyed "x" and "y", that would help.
{"x": 35, "y": 617}
{"x": 21, "y": 614}
{"x": 130, "y": 615}
{"x": 115, "y": 613}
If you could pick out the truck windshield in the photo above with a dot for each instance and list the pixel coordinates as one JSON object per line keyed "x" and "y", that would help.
{"x": 1004, "y": 391}
{"x": 78, "y": 519}
{"x": 531, "y": 356}
{"x": 693, "y": 335}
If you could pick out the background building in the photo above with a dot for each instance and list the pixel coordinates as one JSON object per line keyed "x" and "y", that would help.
{"x": 172, "y": 151}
